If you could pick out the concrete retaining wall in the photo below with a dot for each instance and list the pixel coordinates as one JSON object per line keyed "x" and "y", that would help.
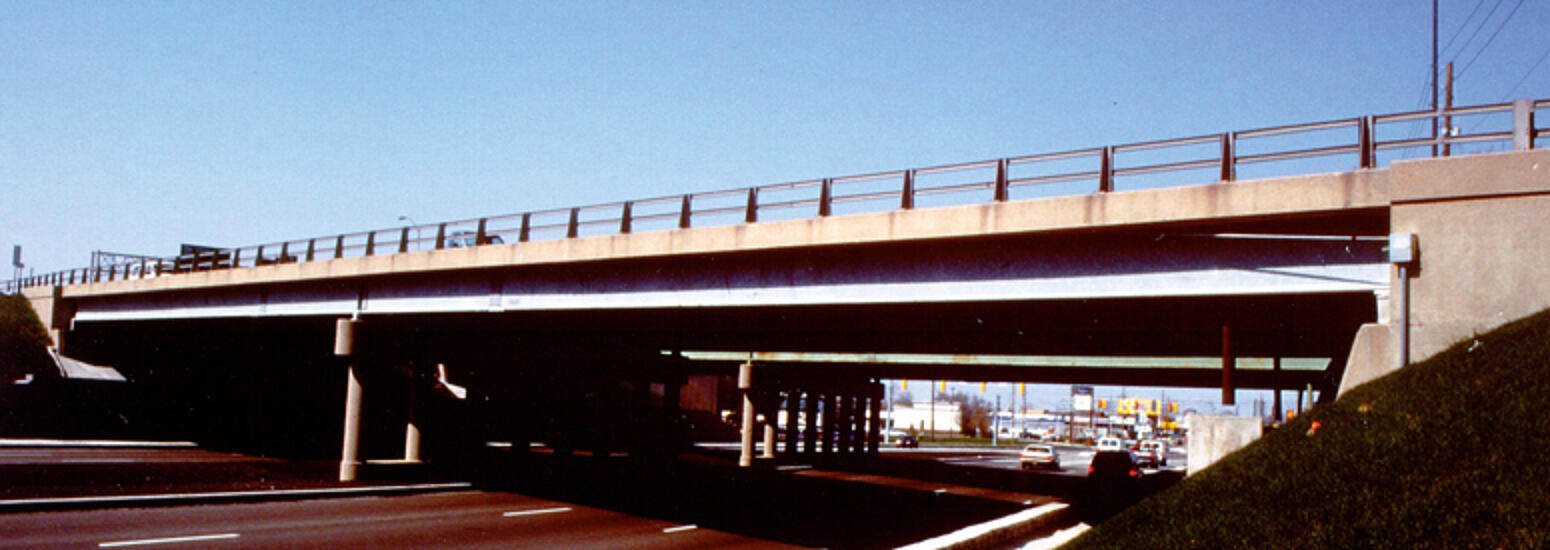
{"x": 1213, "y": 437}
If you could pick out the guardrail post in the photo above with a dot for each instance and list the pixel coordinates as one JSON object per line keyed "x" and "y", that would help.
{"x": 684, "y": 212}
{"x": 236, "y": 258}
{"x": 573, "y": 227}
{"x": 526, "y": 232}
{"x": 624, "y": 217}
{"x": 1106, "y": 171}
{"x": 1522, "y": 124}
{"x": 371, "y": 243}
{"x": 826, "y": 198}
{"x": 403, "y": 242}
{"x": 441, "y": 236}
{"x": 1229, "y": 157}
{"x": 907, "y": 195}
{"x": 751, "y": 215}
{"x": 1365, "y": 142}
{"x": 311, "y": 247}
{"x": 1001, "y": 187}
{"x": 339, "y": 247}
{"x": 479, "y": 233}
{"x": 285, "y": 250}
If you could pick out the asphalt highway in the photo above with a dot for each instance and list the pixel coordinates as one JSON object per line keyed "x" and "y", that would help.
{"x": 467, "y": 519}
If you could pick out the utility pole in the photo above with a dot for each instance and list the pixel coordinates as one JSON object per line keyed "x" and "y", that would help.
{"x": 1448, "y": 120}
{"x": 1434, "y": 78}
{"x": 933, "y": 410}
{"x": 995, "y": 424}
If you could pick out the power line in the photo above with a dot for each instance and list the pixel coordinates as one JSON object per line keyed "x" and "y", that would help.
{"x": 1466, "y": 24}
{"x": 1490, "y": 40}
{"x": 1482, "y": 26}
{"x": 1514, "y": 88}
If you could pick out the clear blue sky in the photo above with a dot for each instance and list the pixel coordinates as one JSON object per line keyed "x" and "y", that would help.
{"x": 133, "y": 127}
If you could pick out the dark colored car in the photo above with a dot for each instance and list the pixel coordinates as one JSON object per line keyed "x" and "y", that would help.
{"x": 1113, "y": 466}
{"x": 907, "y": 440}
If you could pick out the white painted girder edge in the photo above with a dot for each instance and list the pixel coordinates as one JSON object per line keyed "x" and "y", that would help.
{"x": 1341, "y": 278}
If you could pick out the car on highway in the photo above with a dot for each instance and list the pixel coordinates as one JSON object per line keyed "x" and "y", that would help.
{"x": 1111, "y": 444}
{"x": 1113, "y": 466}
{"x": 900, "y": 438}
{"x": 1151, "y": 453}
{"x": 1040, "y": 456}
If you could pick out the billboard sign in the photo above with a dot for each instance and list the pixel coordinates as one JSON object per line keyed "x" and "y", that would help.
{"x": 1081, "y": 398}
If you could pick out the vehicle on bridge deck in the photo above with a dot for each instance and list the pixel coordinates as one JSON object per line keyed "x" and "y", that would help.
{"x": 469, "y": 239}
{"x": 1040, "y": 456}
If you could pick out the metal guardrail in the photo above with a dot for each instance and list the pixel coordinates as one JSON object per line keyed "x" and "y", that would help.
{"x": 952, "y": 184}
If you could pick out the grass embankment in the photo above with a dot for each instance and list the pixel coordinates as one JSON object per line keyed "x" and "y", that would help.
{"x": 1450, "y": 453}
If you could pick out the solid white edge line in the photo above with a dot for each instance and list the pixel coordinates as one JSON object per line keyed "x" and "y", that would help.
{"x": 516, "y": 513}
{"x": 975, "y": 531}
{"x": 168, "y": 540}
{"x": 680, "y": 528}
{"x": 235, "y": 494}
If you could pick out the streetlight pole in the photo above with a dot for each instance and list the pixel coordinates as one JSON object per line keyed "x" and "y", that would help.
{"x": 413, "y": 225}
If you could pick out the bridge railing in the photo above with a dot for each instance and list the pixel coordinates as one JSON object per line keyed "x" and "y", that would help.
{"x": 1329, "y": 146}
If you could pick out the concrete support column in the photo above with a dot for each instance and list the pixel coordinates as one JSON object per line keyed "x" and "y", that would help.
{"x": 793, "y": 415}
{"x": 770, "y": 404}
{"x": 810, "y": 439}
{"x": 875, "y": 422}
{"x": 859, "y": 411}
{"x": 672, "y": 407}
{"x": 829, "y": 420}
{"x": 745, "y": 383}
{"x": 412, "y": 426}
{"x": 847, "y": 423}
{"x": 349, "y": 455}
{"x": 640, "y": 413}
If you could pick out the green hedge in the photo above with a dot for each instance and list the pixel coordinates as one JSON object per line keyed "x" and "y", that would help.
{"x": 23, "y": 341}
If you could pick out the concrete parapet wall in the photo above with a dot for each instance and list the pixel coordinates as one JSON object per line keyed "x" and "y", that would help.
{"x": 1213, "y": 437}
{"x": 1266, "y": 199}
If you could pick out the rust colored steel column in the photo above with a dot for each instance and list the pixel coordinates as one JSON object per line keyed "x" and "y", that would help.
{"x": 1229, "y": 364}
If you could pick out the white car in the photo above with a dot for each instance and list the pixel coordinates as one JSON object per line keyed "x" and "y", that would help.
{"x": 1154, "y": 452}
{"x": 1111, "y": 444}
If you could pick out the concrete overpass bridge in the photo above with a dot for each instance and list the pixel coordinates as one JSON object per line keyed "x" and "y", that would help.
{"x": 580, "y": 327}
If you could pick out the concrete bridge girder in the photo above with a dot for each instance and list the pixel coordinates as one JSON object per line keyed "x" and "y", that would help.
{"x": 1061, "y": 267}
